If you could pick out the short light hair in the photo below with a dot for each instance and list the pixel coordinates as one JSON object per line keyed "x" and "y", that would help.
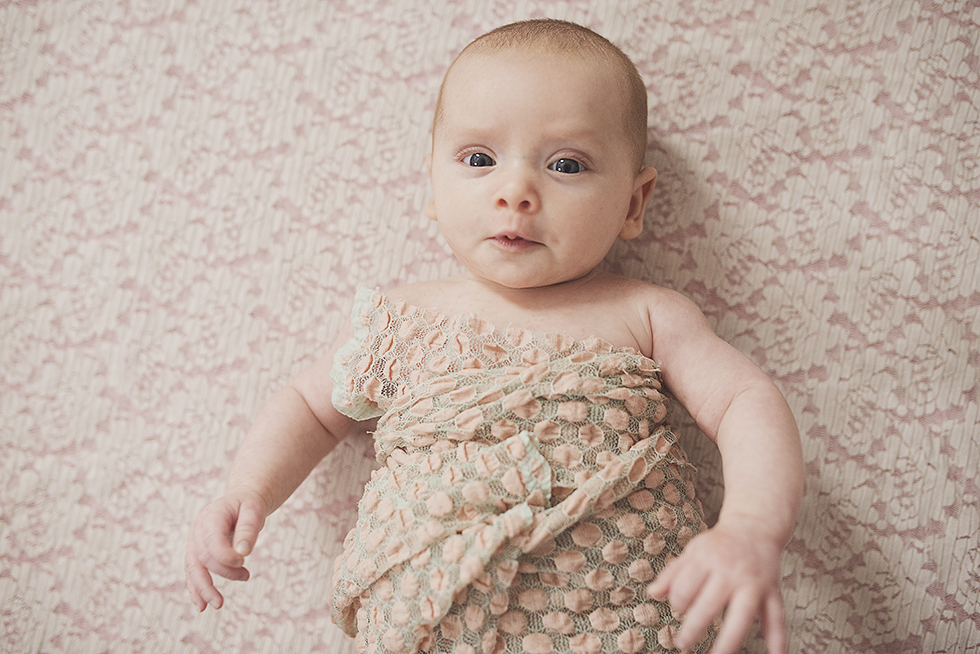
{"x": 564, "y": 37}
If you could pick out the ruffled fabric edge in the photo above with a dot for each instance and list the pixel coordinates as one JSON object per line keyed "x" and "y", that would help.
{"x": 365, "y": 299}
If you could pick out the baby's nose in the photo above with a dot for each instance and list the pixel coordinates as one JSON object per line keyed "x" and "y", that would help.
{"x": 518, "y": 192}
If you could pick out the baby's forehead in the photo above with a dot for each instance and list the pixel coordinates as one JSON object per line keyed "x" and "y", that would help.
{"x": 473, "y": 65}
{"x": 588, "y": 68}
{"x": 616, "y": 74}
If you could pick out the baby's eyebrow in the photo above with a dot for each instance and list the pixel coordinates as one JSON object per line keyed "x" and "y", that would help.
{"x": 582, "y": 137}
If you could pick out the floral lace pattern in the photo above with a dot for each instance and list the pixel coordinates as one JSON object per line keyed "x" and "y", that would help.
{"x": 190, "y": 193}
{"x": 529, "y": 493}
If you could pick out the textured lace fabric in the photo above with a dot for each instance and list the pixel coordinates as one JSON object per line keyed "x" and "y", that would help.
{"x": 529, "y": 493}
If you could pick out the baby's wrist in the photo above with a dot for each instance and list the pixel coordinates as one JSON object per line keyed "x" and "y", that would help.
{"x": 242, "y": 493}
{"x": 760, "y": 529}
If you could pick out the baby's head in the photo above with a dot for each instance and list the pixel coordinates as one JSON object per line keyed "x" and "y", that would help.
{"x": 573, "y": 41}
{"x": 537, "y": 154}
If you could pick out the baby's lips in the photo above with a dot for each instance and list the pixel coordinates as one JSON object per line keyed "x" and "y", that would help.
{"x": 514, "y": 235}
{"x": 513, "y": 239}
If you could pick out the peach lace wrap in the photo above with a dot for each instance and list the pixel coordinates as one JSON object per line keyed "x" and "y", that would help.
{"x": 493, "y": 444}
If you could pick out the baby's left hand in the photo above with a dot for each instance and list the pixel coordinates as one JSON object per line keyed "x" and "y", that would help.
{"x": 730, "y": 568}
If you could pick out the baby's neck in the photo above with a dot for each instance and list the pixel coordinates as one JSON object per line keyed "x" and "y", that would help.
{"x": 598, "y": 304}
{"x": 535, "y": 297}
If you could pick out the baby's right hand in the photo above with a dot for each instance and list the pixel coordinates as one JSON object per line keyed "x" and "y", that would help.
{"x": 236, "y": 517}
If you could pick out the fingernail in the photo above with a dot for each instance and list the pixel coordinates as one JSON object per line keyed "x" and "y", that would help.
{"x": 243, "y": 547}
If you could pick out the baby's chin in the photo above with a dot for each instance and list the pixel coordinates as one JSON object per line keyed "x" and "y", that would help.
{"x": 531, "y": 282}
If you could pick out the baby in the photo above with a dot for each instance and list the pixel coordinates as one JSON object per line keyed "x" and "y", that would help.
{"x": 531, "y": 496}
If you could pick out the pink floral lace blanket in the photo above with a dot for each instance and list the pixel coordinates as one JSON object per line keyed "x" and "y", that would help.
{"x": 493, "y": 442}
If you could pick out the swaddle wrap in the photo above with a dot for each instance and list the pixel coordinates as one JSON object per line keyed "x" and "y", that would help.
{"x": 498, "y": 447}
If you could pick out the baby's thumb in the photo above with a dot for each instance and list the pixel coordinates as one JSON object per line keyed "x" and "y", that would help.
{"x": 250, "y": 522}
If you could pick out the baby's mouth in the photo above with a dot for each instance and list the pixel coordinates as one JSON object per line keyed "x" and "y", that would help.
{"x": 513, "y": 242}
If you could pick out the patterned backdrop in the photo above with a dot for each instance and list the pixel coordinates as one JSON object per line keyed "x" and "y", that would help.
{"x": 191, "y": 191}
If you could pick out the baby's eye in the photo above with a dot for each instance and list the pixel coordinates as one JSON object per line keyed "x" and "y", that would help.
{"x": 567, "y": 166}
{"x": 479, "y": 159}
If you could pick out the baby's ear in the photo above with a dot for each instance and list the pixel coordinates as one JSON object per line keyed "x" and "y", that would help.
{"x": 646, "y": 179}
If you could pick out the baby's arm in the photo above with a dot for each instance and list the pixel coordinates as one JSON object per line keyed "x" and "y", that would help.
{"x": 291, "y": 434}
{"x": 734, "y": 566}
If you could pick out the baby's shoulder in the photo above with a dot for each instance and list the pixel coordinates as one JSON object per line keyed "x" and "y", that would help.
{"x": 645, "y": 297}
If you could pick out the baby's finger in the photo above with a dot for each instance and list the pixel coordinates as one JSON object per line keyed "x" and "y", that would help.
{"x": 214, "y": 545}
{"x": 708, "y": 605}
{"x": 214, "y": 554}
{"x": 774, "y": 624}
{"x": 685, "y": 587}
{"x": 233, "y": 572}
{"x": 199, "y": 602}
{"x": 735, "y": 626}
{"x": 660, "y": 586}
{"x": 200, "y": 585}
{"x": 247, "y": 527}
